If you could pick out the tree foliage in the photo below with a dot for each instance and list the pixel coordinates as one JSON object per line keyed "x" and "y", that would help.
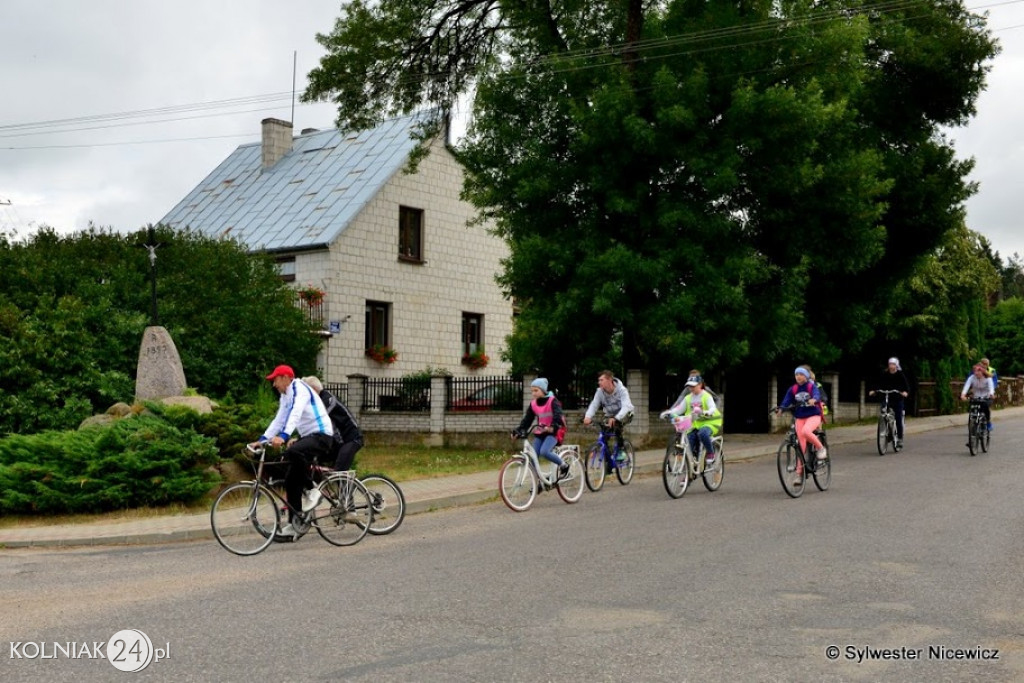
{"x": 73, "y": 310}
{"x": 1005, "y": 337}
{"x": 700, "y": 182}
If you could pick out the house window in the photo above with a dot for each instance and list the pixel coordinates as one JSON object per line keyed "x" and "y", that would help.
{"x": 378, "y": 323}
{"x": 472, "y": 333}
{"x": 286, "y": 268}
{"x": 410, "y": 234}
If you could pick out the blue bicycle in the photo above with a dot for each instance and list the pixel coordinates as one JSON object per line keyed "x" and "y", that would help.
{"x": 607, "y": 454}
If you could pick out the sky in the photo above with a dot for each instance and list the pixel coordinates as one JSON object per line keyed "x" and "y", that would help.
{"x": 111, "y": 111}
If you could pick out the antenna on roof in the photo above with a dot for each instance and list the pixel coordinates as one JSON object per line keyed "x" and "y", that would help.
{"x": 295, "y": 59}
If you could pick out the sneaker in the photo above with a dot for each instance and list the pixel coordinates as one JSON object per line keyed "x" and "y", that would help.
{"x": 287, "y": 530}
{"x": 310, "y": 499}
{"x": 990, "y": 426}
{"x": 798, "y": 480}
{"x": 563, "y": 471}
{"x": 822, "y": 453}
{"x": 710, "y": 458}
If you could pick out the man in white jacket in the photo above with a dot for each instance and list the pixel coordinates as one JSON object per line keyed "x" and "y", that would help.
{"x": 612, "y": 398}
{"x": 299, "y": 410}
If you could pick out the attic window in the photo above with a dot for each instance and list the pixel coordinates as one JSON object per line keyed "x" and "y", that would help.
{"x": 410, "y": 234}
{"x": 286, "y": 268}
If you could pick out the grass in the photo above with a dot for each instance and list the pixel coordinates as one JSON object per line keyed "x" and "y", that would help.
{"x": 422, "y": 462}
{"x": 401, "y": 463}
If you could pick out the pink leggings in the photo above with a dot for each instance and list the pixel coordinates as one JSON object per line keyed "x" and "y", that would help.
{"x": 805, "y": 427}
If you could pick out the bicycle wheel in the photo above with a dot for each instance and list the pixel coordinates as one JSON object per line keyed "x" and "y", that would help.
{"x": 244, "y": 518}
{"x": 823, "y": 469}
{"x": 594, "y": 470}
{"x": 388, "y": 503}
{"x": 883, "y": 435}
{"x": 571, "y": 488}
{"x": 626, "y": 464}
{"x": 972, "y": 437}
{"x": 344, "y": 515}
{"x": 986, "y": 438}
{"x": 675, "y": 471}
{"x": 715, "y": 472}
{"x": 786, "y": 460}
{"x": 517, "y": 484}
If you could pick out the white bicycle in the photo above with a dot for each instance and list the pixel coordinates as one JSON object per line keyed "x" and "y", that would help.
{"x": 523, "y": 477}
{"x": 682, "y": 466}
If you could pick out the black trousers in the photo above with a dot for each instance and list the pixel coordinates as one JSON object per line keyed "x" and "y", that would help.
{"x": 300, "y": 454}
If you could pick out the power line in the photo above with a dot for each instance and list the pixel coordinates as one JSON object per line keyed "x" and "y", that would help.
{"x": 754, "y": 34}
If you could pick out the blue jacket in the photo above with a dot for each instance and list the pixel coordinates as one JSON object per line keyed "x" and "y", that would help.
{"x": 796, "y": 395}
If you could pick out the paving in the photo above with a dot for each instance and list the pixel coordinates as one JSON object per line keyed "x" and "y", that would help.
{"x": 425, "y": 495}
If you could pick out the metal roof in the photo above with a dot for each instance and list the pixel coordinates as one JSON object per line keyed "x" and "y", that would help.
{"x": 307, "y": 198}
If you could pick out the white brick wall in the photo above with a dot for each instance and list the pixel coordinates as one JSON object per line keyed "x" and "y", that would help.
{"x": 428, "y": 300}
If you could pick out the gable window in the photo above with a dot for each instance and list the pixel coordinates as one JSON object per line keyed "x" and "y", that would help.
{"x": 410, "y": 234}
{"x": 286, "y": 268}
{"x": 472, "y": 333}
{"x": 378, "y": 324}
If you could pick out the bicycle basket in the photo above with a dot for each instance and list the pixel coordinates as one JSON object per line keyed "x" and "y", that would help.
{"x": 682, "y": 423}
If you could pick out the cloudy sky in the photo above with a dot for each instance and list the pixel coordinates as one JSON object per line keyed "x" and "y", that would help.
{"x": 113, "y": 110}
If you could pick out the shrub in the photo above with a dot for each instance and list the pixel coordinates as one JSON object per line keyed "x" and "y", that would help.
{"x": 135, "y": 462}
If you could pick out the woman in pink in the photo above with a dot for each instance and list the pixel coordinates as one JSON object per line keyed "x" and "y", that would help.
{"x": 805, "y": 397}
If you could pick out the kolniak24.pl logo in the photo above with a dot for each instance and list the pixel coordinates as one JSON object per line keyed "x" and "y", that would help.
{"x": 128, "y": 650}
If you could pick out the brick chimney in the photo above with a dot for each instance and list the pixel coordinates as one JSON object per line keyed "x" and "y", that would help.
{"x": 277, "y": 140}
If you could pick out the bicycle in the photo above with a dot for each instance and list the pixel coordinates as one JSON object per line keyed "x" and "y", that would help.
{"x": 978, "y": 435}
{"x": 887, "y": 424}
{"x": 386, "y": 498}
{"x": 601, "y": 460}
{"x": 786, "y": 460}
{"x": 246, "y": 516}
{"x": 682, "y": 465}
{"x": 521, "y": 476}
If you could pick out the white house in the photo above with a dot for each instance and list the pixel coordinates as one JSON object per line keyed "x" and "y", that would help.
{"x": 393, "y": 252}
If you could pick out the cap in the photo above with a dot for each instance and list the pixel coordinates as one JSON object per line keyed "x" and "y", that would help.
{"x": 541, "y": 383}
{"x": 694, "y": 380}
{"x": 802, "y": 371}
{"x": 281, "y": 371}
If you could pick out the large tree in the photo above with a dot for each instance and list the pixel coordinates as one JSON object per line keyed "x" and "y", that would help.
{"x": 698, "y": 182}
{"x": 73, "y": 309}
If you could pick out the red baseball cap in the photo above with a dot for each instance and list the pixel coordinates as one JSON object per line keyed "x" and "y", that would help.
{"x": 281, "y": 371}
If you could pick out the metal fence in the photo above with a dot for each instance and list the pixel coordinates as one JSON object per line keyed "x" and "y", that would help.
{"x": 497, "y": 392}
{"x": 410, "y": 394}
{"x": 340, "y": 391}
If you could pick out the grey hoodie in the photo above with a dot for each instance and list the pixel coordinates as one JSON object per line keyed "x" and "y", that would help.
{"x": 615, "y": 404}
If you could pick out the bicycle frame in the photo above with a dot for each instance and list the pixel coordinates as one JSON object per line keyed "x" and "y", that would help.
{"x": 604, "y": 434}
{"x": 695, "y": 462}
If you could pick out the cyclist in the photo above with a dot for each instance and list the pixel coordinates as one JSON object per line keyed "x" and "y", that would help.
{"x": 612, "y": 398}
{"x": 347, "y": 437}
{"x": 299, "y": 410}
{"x": 893, "y": 379}
{"x": 808, "y": 415}
{"x": 706, "y": 419}
{"x": 980, "y": 385}
{"x": 551, "y": 427}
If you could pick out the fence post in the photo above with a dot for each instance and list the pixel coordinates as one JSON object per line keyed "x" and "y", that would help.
{"x": 437, "y": 399}
{"x": 638, "y": 381}
{"x": 773, "y": 400}
{"x": 356, "y": 395}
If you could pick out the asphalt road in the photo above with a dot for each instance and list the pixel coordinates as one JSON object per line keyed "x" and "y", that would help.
{"x": 917, "y": 556}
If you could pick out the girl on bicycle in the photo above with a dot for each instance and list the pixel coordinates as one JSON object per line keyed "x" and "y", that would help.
{"x": 980, "y": 385}
{"x": 807, "y": 412}
{"x": 893, "y": 379}
{"x": 706, "y": 419}
{"x": 551, "y": 427}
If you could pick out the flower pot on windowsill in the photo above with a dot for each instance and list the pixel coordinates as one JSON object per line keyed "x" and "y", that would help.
{"x": 385, "y": 355}
{"x": 476, "y": 360}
